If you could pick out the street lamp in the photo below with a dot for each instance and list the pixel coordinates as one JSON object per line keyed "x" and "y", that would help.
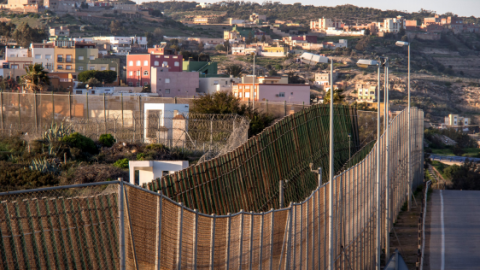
{"x": 324, "y": 59}
{"x": 409, "y": 192}
{"x": 363, "y": 63}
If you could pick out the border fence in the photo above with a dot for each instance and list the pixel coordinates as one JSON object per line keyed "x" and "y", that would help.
{"x": 115, "y": 225}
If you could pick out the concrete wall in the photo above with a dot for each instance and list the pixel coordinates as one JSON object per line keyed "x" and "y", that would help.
{"x": 152, "y": 169}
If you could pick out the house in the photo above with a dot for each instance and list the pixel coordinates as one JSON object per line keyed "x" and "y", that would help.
{"x": 59, "y": 31}
{"x": 321, "y": 25}
{"x": 174, "y": 84}
{"x": 211, "y": 85}
{"x": 139, "y": 66}
{"x": 457, "y": 120}
{"x": 366, "y": 92}
{"x": 149, "y": 170}
{"x": 323, "y": 78}
{"x": 274, "y": 89}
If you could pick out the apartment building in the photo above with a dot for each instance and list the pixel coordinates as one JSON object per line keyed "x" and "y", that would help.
{"x": 321, "y": 25}
{"x": 366, "y": 92}
{"x": 273, "y": 89}
{"x": 43, "y": 53}
{"x": 174, "y": 84}
{"x": 139, "y": 66}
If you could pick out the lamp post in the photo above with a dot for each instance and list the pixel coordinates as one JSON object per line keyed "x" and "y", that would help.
{"x": 409, "y": 189}
{"x": 331, "y": 247}
{"x": 366, "y": 64}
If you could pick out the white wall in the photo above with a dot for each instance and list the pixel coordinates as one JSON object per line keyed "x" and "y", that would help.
{"x": 153, "y": 169}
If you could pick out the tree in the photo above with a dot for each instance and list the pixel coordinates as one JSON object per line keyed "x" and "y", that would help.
{"x": 36, "y": 78}
{"x": 338, "y": 97}
{"x": 25, "y": 35}
{"x": 234, "y": 70}
{"x": 220, "y": 47}
{"x": 226, "y": 103}
{"x": 107, "y": 76}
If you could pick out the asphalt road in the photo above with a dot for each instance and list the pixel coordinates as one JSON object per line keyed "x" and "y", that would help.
{"x": 453, "y": 243}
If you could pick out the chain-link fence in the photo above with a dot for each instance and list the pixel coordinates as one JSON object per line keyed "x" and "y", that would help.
{"x": 127, "y": 119}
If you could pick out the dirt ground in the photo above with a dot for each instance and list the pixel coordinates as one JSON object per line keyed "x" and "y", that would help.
{"x": 406, "y": 229}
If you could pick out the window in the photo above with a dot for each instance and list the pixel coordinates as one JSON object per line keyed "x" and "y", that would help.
{"x": 69, "y": 67}
{"x": 167, "y": 80}
{"x": 247, "y": 94}
{"x": 69, "y": 58}
{"x": 281, "y": 94}
{"x": 167, "y": 91}
{"x": 80, "y": 58}
{"x": 59, "y": 66}
{"x": 48, "y": 56}
{"x": 145, "y": 73}
{"x": 92, "y": 57}
{"x": 130, "y": 63}
{"x": 138, "y": 63}
{"x": 130, "y": 73}
{"x": 103, "y": 68}
{"x": 156, "y": 63}
{"x": 177, "y": 63}
{"x": 38, "y": 56}
{"x": 80, "y": 68}
{"x": 145, "y": 63}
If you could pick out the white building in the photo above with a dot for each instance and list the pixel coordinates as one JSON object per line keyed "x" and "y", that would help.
{"x": 217, "y": 84}
{"x": 149, "y": 170}
{"x": 43, "y": 53}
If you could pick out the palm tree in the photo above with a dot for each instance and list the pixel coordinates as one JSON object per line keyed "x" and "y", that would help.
{"x": 36, "y": 78}
{"x": 234, "y": 70}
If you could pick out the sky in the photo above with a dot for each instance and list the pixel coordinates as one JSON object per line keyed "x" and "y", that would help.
{"x": 460, "y": 7}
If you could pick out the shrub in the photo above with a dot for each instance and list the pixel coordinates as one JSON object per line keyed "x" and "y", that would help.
{"x": 77, "y": 140}
{"x": 121, "y": 163}
{"x": 107, "y": 139}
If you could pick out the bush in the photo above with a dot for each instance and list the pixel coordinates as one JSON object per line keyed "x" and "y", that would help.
{"x": 107, "y": 139}
{"x": 121, "y": 163}
{"x": 79, "y": 141}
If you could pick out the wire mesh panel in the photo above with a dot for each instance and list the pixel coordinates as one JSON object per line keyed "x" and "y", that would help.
{"x": 74, "y": 228}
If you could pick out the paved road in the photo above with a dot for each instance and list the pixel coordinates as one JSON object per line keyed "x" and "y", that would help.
{"x": 455, "y": 242}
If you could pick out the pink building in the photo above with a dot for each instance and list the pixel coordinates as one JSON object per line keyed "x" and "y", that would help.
{"x": 174, "y": 84}
{"x": 291, "y": 93}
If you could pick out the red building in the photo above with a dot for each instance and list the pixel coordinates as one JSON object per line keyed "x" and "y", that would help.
{"x": 139, "y": 66}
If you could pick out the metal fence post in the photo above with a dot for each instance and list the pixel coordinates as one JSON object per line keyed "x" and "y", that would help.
{"x": 212, "y": 242}
{"x": 195, "y": 240}
{"x": 180, "y": 234}
{"x": 158, "y": 261}
{"x": 19, "y": 113}
{"x": 1, "y": 105}
{"x": 70, "y": 105}
{"x": 280, "y": 192}
{"x": 105, "y": 112}
{"x": 121, "y": 224}
{"x": 88, "y": 113}
{"x": 229, "y": 226}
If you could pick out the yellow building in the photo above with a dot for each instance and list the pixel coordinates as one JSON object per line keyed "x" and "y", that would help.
{"x": 64, "y": 56}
